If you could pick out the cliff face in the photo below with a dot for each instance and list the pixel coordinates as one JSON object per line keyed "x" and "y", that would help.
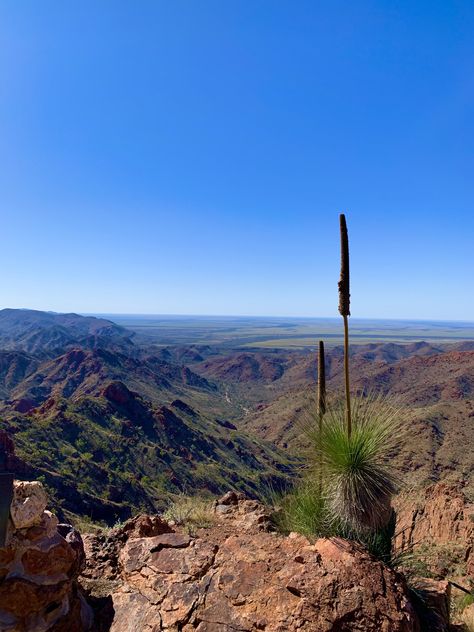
{"x": 438, "y": 526}
{"x": 239, "y": 575}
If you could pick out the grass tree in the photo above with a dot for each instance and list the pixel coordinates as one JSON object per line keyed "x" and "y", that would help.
{"x": 353, "y": 443}
{"x": 321, "y": 383}
{"x": 358, "y": 479}
{"x": 347, "y": 491}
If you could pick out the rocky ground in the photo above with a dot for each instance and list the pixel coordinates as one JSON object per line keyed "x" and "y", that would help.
{"x": 237, "y": 574}
{"x": 437, "y": 524}
{"x": 234, "y": 574}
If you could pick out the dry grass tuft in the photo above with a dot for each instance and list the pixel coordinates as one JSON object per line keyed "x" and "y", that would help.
{"x": 192, "y": 512}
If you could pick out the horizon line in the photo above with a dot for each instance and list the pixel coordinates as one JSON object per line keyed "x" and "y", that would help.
{"x": 249, "y": 316}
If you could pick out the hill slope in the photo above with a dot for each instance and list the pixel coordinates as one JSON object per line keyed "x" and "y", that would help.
{"x": 109, "y": 455}
{"x": 46, "y": 332}
{"x": 84, "y": 372}
{"x": 435, "y": 389}
{"x": 116, "y": 426}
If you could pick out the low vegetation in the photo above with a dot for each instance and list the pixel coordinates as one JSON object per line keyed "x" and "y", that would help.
{"x": 106, "y": 460}
{"x": 192, "y": 512}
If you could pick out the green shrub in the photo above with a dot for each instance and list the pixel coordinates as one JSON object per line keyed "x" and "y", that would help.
{"x": 358, "y": 480}
{"x": 304, "y": 510}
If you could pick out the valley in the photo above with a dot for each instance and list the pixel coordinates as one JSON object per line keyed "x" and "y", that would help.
{"x": 117, "y": 418}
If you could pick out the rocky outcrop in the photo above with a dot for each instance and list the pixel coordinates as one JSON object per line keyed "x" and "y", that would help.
{"x": 38, "y": 569}
{"x": 239, "y": 575}
{"x": 439, "y": 526}
{"x": 101, "y": 575}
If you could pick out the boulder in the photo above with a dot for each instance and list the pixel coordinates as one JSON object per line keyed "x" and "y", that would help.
{"x": 245, "y": 514}
{"x": 144, "y": 526}
{"x": 468, "y": 616}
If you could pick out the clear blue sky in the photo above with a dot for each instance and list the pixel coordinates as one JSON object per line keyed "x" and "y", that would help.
{"x": 192, "y": 156}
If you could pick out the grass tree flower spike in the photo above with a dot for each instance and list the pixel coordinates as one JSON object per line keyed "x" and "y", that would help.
{"x": 321, "y": 397}
{"x": 344, "y": 310}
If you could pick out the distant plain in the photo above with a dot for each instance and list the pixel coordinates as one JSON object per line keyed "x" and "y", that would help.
{"x": 286, "y": 333}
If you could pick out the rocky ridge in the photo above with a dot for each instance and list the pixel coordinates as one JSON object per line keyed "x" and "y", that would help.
{"x": 235, "y": 573}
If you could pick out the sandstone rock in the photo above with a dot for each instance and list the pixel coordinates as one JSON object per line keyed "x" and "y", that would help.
{"x": 236, "y": 575}
{"x": 244, "y": 514}
{"x": 29, "y": 502}
{"x": 73, "y": 538}
{"x": 144, "y": 526}
{"x": 102, "y": 550}
{"x": 39, "y": 568}
{"x": 57, "y": 560}
{"x": 6, "y": 558}
{"x": 230, "y": 498}
{"x": 22, "y": 598}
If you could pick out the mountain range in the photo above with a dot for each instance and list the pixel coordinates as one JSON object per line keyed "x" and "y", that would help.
{"x": 114, "y": 425}
{"x": 46, "y": 333}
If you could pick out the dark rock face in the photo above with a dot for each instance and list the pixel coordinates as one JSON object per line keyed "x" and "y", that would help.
{"x": 118, "y": 393}
{"x": 237, "y": 575}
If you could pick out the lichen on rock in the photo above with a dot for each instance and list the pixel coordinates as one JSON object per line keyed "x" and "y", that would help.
{"x": 29, "y": 502}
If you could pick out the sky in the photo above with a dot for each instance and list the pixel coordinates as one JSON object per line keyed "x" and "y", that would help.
{"x": 192, "y": 157}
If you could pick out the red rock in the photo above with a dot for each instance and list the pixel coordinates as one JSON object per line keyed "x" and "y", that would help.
{"x": 144, "y": 526}
{"x": 21, "y": 598}
{"x": 74, "y": 540}
{"x": 6, "y": 557}
{"x": 38, "y": 571}
{"x": 230, "y": 498}
{"x": 236, "y": 576}
{"x": 442, "y": 517}
{"x": 118, "y": 393}
{"x": 58, "y": 560}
